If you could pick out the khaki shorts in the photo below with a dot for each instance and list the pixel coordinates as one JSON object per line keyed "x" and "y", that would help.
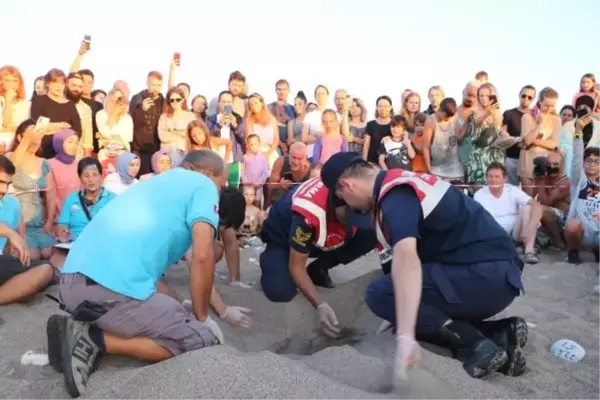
{"x": 160, "y": 317}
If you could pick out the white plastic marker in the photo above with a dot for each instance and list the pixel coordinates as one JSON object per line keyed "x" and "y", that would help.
{"x": 568, "y": 350}
{"x": 31, "y": 358}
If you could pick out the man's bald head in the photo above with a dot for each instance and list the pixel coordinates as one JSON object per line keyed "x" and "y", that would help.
{"x": 299, "y": 150}
{"x": 298, "y": 157}
{"x": 208, "y": 163}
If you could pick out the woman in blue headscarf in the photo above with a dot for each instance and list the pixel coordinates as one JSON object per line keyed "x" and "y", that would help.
{"x": 127, "y": 167}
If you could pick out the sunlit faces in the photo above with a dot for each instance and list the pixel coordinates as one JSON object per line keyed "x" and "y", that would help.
{"x": 484, "y": 97}
{"x": 297, "y": 159}
{"x": 340, "y": 95}
{"x": 255, "y": 105}
{"x": 198, "y": 136}
{"x": 199, "y": 105}
{"x": 329, "y": 121}
{"x": 311, "y": 107}
{"x": 70, "y": 145}
{"x": 176, "y": 101}
{"x": 40, "y": 87}
{"x": 9, "y": 82}
{"x": 249, "y": 193}
{"x": 384, "y": 108}
{"x": 548, "y": 105}
{"x": 300, "y": 106}
{"x": 253, "y": 144}
{"x": 321, "y": 96}
{"x": 57, "y": 88}
{"x": 225, "y": 100}
{"x": 75, "y": 86}
{"x": 5, "y": 181}
{"x": 283, "y": 90}
{"x": 526, "y": 97}
{"x": 469, "y": 96}
{"x": 355, "y": 110}
{"x": 236, "y": 87}
{"x": 88, "y": 85}
{"x": 413, "y": 103}
{"x": 495, "y": 178}
{"x": 435, "y": 97}
{"x": 164, "y": 163}
{"x": 587, "y": 84}
{"x": 566, "y": 115}
{"x": 91, "y": 178}
{"x": 154, "y": 85}
{"x": 134, "y": 167}
{"x": 419, "y": 128}
{"x": 591, "y": 165}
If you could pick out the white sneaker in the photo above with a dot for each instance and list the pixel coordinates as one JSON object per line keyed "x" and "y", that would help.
{"x": 240, "y": 284}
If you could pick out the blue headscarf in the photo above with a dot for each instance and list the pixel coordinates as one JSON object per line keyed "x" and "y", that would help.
{"x": 122, "y": 166}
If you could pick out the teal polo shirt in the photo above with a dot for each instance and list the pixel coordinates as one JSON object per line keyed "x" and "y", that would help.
{"x": 72, "y": 214}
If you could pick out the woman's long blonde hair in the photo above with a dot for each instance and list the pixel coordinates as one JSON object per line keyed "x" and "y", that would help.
{"x": 263, "y": 118}
{"x": 111, "y": 102}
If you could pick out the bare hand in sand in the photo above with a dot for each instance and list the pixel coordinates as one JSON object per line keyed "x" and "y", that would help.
{"x": 408, "y": 353}
{"x": 328, "y": 321}
{"x": 236, "y": 317}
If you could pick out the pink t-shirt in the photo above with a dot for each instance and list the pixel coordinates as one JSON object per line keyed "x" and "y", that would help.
{"x": 331, "y": 145}
{"x": 66, "y": 180}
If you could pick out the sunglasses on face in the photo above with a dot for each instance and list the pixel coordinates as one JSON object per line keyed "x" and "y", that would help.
{"x": 175, "y": 100}
{"x": 526, "y": 97}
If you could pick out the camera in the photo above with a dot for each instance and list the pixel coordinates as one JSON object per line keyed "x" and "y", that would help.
{"x": 539, "y": 166}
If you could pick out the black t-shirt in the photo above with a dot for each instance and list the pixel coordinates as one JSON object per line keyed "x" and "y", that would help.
{"x": 95, "y": 106}
{"x": 512, "y": 120}
{"x": 376, "y": 132}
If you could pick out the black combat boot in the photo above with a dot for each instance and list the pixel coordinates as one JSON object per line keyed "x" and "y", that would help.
{"x": 480, "y": 356}
{"x": 510, "y": 334}
{"x": 318, "y": 272}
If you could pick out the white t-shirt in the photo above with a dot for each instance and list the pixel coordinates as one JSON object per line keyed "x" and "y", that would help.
{"x": 504, "y": 209}
{"x": 314, "y": 121}
{"x": 113, "y": 183}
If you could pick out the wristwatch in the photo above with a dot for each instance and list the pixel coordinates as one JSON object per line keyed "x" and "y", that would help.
{"x": 578, "y": 135}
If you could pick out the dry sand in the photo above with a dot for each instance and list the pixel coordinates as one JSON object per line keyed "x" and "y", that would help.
{"x": 283, "y": 356}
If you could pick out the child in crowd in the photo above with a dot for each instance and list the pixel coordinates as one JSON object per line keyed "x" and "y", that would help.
{"x": 418, "y": 163}
{"x": 254, "y": 216}
{"x": 256, "y": 167}
{"x": 396, "y": 151}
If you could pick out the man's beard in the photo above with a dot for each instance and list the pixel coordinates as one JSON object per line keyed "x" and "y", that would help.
{"x": 74, "y": 97}
{"x": 467, "y": 103}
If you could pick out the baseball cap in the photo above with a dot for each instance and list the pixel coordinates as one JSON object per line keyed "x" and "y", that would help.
{"x": 335, "y": 167}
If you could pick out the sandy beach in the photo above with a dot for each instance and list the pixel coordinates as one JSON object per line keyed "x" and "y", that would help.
{"x": 284, "y": 357}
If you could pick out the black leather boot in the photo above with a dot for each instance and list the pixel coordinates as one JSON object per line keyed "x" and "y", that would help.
{"x": 480, "y": 356}
{"x": 510, "y": 334}
{"x": 318, "y": 272}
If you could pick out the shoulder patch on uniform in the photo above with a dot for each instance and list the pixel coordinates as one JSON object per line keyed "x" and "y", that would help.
{"x": 301, "y": 237}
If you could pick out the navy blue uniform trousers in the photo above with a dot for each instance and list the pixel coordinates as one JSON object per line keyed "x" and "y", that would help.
{"x": 276, "y": 281}
{"x": 452, "y": 292}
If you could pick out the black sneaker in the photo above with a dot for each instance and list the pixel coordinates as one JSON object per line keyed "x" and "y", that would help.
{"x": 573, "y": 257}
{"x": 509, "y": 334}
{"x": 486, "y": 357}
{"x": 54, "y": 331}
{"x": 79, "y": 355}
{"x": 319, "y": 275}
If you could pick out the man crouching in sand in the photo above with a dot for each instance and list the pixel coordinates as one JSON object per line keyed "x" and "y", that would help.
{"x": 110, "y": 280}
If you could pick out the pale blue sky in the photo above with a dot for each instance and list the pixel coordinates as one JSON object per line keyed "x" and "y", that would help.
{"x": 369, "y": 47}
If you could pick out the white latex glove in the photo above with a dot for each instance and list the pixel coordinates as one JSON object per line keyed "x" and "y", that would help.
{"x": 236, "y": 317}
{"x": 214, "y": 328}
{"x": 407, "y": 354}
{"x": 328, "y": 321}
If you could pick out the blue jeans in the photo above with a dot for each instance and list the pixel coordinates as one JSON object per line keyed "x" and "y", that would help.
{"x": 462, "y": 292}
{"x": 276, "y": 280}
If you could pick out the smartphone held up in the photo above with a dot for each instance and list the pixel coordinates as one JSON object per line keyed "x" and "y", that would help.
{"x": 177, "y": 58}
{"x": 87, "y": 40}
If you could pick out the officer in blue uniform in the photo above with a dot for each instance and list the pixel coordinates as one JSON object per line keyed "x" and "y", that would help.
{"x": 453, "y": 266}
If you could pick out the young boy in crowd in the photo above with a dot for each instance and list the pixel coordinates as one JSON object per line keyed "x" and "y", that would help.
{"x": 256, "y": 167}
{"x": 418, "y": 163}
{"x": 396, "y": 151}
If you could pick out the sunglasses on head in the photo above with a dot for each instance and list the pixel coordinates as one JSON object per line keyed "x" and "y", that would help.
{"x": 525, "y": 96}
{"x": 175, "y": 100}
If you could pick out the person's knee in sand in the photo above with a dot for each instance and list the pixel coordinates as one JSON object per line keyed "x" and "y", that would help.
{"x": 20, "y": 277}
{"x": 116, "y": 290}
{"x": 463, "y": 269}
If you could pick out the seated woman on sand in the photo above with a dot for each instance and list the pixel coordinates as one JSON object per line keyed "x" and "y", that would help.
{"x": 127, "y": 168}
{"x": 79, "y": 208}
